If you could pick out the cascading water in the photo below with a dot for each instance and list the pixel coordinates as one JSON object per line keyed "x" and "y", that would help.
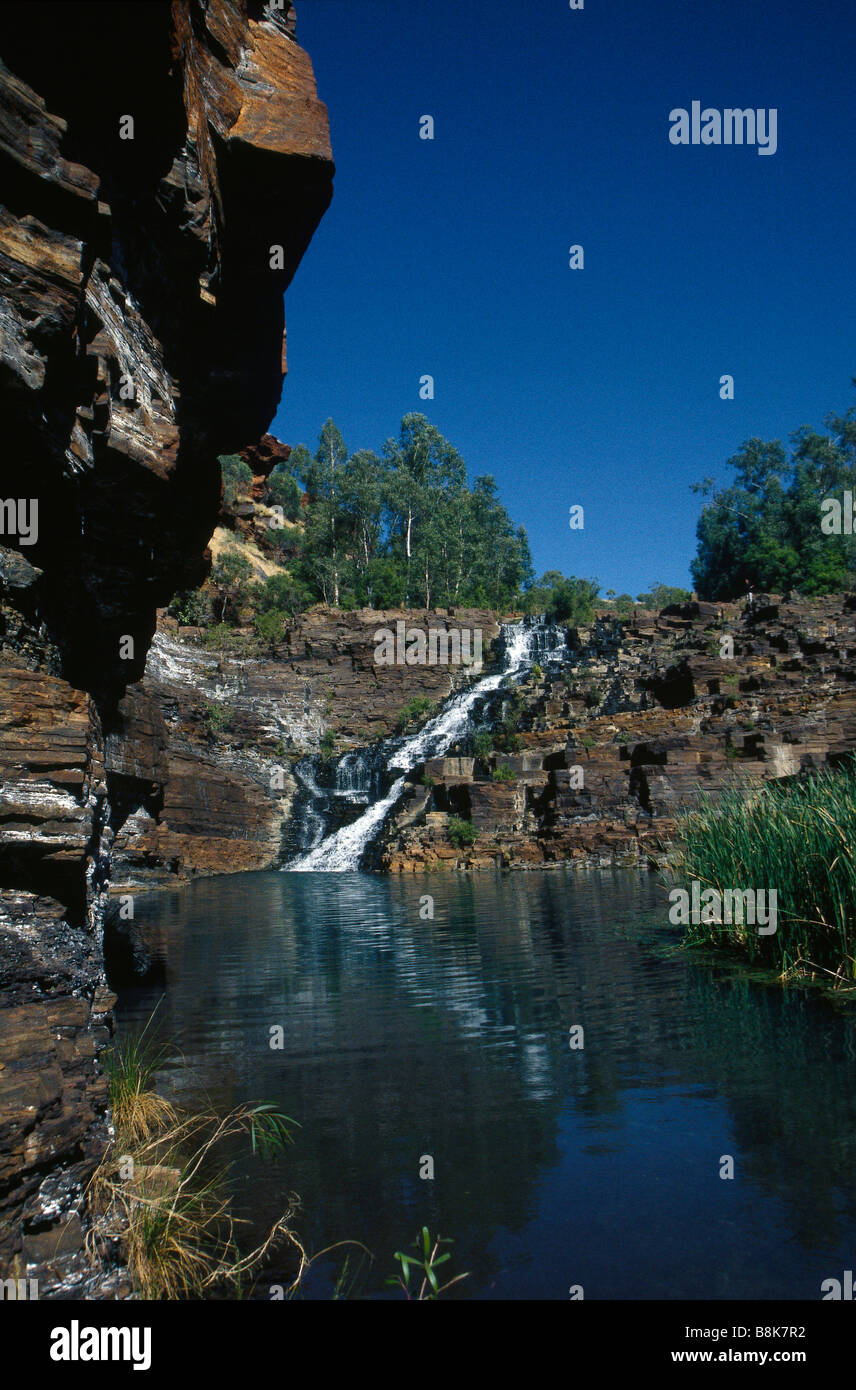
{"x": 343, "y": 851}
{"x": 354, "y": 777}
{"x": 312, "y": 823}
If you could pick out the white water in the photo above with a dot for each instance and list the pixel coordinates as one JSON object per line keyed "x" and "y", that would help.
{"x": 342, "y": 851}
{"x": 313, "y": 825}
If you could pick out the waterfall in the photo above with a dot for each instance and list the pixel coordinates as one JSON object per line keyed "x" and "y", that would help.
{"x": 354, "y": 777}
{"x": 310, "y": 796}
{"x": 342, "y": 851}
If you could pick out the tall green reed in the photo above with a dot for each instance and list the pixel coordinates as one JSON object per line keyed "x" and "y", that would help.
{"x": 798, "y": 837}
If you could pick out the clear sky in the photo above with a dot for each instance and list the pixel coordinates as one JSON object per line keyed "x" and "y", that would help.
{"x": 450, "y": 257}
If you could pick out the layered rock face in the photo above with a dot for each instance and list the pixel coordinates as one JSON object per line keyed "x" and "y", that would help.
{"x": 201, "y": 765}
{"x": 638, "y": 720}
{"x": 163, "y": 169}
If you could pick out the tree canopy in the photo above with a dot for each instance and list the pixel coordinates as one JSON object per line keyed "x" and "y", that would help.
{"x": 764, "y": 531}
{"x": 404, "y": 527}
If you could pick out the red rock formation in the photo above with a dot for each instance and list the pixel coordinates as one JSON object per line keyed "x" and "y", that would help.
{"x": 651, "y": 714}
{"x": 262, "y": 458}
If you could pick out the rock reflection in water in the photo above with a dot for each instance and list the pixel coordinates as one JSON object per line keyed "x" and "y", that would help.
{"x": 449, "y": 1037}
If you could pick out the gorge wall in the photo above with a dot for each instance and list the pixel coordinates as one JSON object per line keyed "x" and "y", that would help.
{"x": 152, "y": 154}
{"x": 638, "y": 719}
{"x": 622, "y": 727}
{"x": 206, "y": 744}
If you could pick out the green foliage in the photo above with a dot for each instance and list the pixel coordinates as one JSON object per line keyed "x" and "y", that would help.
{"x": 237, "y": 478}
{"x": 535, "y": 673}
{"x": 328, "y": 743}
{"x": 284, "y": 491}
{"x": 462, "y": 833}
{"x": 414, "y": 709}
{"x": 623, "y": 606}
{"x": 269, "y": 628}
{"x": 764, "y": 531}
{"x": 481, "y": 743}
{"x": 506, "y": 737}
{"x": 509, "y": 742}
{"x": 190, "y": 608}
{"x": 403, "y": 527}
{"x": 502, "y": 773}
{"x": 282, "y": 593}
{"x": 269, "y": 1130}
{"x": 217, "y": 718}
{"x": 219, "y": 637}
{"x": 230, "y": 577}
{"x": 427, "y": 1261}
{"x": 286, "y": 546}
{"x": 661, "y": 596}
{"x": 564, "y": 600}
{"x": 798, "y": 837}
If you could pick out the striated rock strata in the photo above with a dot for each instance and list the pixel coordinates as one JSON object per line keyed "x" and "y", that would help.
{"x": 650, "y": 713}
{"x": 193, "y": 795}
{"x": 152, "y": 155}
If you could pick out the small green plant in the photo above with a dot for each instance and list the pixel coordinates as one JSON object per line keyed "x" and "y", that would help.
{"x": 427, "y": 780}
{"x": 328, "y": 743}
{"x": 586, "y": 740}
{"x": 426, "y": 1261}
{"x": 217, "y": 718}
{"x": 413, "y": 710}
{"x": 237, "y": 478}
{"x": 218, "y": 637}
{"x": 502, "y": 773}
{"x": 269, "y": 628}
{"x": 462, "y": 833}
{"x": 509, "y": 743}
{"x": 536, "y": 673}
{"x": 731, "y": 681}
{"x": 481, "y": 744}
{"x": 190, "y": 608}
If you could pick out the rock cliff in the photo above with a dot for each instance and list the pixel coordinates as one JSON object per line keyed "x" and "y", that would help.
{"x": 201, "y": 763}
{"x": 163, "y": 169}
{"x": 624, "y": 726}
{"x": 638, "y": 719}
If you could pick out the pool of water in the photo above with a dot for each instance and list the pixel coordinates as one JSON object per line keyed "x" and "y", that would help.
{"x": 407, "y": 1036}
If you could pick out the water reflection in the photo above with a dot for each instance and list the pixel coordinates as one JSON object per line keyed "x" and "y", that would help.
{"x": 449, "y": 1037}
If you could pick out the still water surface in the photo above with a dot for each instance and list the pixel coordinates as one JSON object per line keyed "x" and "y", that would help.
{"x": 553, "y": 1167}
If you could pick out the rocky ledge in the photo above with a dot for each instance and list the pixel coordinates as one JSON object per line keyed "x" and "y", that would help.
{"x": 637, "y": 719}
{"x": 201, "y": 761}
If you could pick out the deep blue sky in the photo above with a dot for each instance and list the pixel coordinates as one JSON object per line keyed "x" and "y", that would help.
{"x": 598, "y": 387}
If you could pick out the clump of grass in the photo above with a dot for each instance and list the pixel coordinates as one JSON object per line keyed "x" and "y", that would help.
{"x": 161, "y": 1191}
{"x": 798, "y": 837}
{"x": 138, "y": 1111}
{"x": 461, "y": 832}
{"x": 502, "y": 773}
{"x": 415, "y": 709}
